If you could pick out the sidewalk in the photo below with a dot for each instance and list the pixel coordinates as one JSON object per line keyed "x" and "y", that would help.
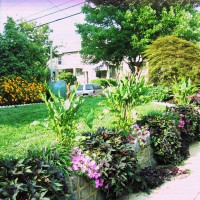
{"x": 183, "y": 187}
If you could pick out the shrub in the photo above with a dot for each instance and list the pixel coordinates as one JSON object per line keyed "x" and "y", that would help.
{"x": 171, "y": 57}
{"x": 117, "y": 158}
{"x": 153, "y": 177}
{"x": 56, "y": 154}
{"x": 31, "y": 178}
{"x": 182, "y": 90}
{"x": 112, "y": 82}
{"x": 159, "y": 93}
{"x": 188, "y": 122}
{"x": 15, "y": 90}
{"x": 196, "y": 98}
{"x": 165, "y": 139}
{"x": 173, "y": 132}
{"x": 67, "y": 77}
{"x": 101, "y": 81}
{"x": 105, "y": 82}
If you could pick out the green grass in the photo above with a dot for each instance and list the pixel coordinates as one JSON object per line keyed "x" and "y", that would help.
{"x": 149, "y": 108}
{"x": 19, "y": 132}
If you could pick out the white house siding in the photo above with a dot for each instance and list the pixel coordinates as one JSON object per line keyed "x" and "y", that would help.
{"x": 72, "y": 62}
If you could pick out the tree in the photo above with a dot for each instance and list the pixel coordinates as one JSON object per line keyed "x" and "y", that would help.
{"x": 114, "y": 33}
{"x": 68, "y": 77}
{"x": 24, "y": 50}
{"x": 171, "y": 58}
{"x": 145, "y": 2}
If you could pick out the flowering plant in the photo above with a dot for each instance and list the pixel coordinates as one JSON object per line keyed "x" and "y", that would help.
{"x": 86, "y": 165}
{"x": 188, "y": 121}
{"x": 139, "y": 134}
{"x": 116, "y": 158}
{"x": 16, "y": 90}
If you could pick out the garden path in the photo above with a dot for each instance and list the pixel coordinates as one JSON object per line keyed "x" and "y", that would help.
{"x": 183, "y": 187}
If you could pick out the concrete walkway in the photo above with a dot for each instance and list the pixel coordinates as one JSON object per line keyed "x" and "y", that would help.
{"x": 183, "y": 187}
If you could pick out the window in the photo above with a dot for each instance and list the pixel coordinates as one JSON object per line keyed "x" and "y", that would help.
{"x": 60, "y": 60}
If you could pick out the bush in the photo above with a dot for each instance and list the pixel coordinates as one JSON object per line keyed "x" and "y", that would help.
{"x": 153, "y": 177}
{"x": 16, "y": 90}
{"x": 173, "y": 58}
{"x": 117, "y": 158}
{"x": 112, "y": 82}
{"x": 101, "y": 81}
{"x": 105, "y": 82}
{"x": 57, "y": 154}
{"x": 173, "y": 132}
{"x": 188, "y": 122}
{"x": 31, "y": 178}
{"x": 67, "y": 77}
{"x": 159, "y": 93}
{"x": 165, "y": 139}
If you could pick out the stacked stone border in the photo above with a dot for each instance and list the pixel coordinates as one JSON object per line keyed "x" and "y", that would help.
{"x": 81, "y": 189}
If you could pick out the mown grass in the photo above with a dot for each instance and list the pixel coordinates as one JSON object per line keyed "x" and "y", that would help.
{"x": 23, "y": 127}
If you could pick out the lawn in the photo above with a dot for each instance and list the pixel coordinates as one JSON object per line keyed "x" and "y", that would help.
{"x": 24, "y": 127}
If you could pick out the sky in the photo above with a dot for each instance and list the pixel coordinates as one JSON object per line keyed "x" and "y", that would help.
{"x": 63, "y": 30}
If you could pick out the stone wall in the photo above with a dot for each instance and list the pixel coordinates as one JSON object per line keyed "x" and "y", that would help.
{"x": 144, "y": 154}
{"x": 81, "y": 189}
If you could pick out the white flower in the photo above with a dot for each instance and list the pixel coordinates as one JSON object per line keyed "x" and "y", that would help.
{"x": 67, "y": 104}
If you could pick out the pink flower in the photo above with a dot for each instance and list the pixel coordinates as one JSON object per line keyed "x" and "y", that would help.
{"x": 130, "y": 137}
{"x": 106, "y": 187}
{"x": 70, "y": 168}
{"x": 85, "y": 164}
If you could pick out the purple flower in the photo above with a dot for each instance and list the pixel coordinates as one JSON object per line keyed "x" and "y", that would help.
{"x": 85, "y": 164}
{"x": 106, "y": 187}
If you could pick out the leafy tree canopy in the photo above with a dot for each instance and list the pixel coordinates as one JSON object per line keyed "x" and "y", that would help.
{"x": 68, "y": 77}
{"x": 171, "y": 58}
{"x": 116, "y": 33}
{"x": 145, "y": 2}
{"x": 24, "y": 50}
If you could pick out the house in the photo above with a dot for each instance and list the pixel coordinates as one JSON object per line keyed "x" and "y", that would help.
{"x": 69, "y": 60}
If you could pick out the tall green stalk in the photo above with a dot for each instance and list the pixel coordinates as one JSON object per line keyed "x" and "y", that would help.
{"x": 63, "y": 116}
{"x": 121, "y": 99}
{"x": 182, "y": 90}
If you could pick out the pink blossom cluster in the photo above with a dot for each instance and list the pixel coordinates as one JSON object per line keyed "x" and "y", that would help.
{"x": 139, "y": 133}
{"x": 181, "y": 122}
{"x": 86, "y": 165}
